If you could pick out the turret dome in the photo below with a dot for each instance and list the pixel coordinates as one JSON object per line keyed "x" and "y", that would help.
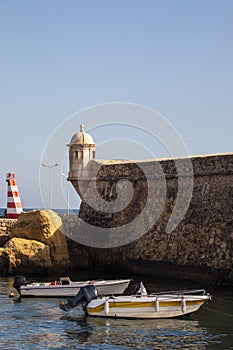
{"x": 82, "y": 138}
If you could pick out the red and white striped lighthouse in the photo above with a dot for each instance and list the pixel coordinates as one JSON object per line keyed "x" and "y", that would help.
{"x": 14, "y": 207}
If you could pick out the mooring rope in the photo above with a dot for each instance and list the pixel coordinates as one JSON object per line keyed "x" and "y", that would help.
{"x": 226, "y": 300}
{"x": 217, "y": 312}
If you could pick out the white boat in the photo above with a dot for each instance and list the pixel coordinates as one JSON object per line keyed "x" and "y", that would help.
{"x": 67, "y": 288}
{"x": 142, "y": 305}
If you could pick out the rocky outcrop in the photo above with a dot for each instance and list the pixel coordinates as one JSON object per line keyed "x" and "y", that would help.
{"x": 20, "y": 253}
{"x": 36, "y": 245}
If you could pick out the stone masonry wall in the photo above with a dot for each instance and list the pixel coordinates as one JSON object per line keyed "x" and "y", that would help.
{"x": 5, "y": 227}
{"x": 201, "y": 246}
{"x": 6, "y": 224}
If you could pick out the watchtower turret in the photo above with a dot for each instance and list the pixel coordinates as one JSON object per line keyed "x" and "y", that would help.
{"x": 81, "y": 151}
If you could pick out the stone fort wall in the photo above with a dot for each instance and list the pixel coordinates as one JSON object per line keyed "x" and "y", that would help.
{"x": 6, "y": 224}
{"x": 5, "y": 227}
{"x": 201, "y": 246}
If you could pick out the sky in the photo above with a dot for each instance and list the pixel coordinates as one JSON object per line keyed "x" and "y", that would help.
{"x": 61, "y": 57}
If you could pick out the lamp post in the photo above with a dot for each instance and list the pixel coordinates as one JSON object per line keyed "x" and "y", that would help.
{"x": 50, "y": 181}
{"x": 67, "y": 196}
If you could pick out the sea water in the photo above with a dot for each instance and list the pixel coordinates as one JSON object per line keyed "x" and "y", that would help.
{"x": 58, "y": 211}
{"x": 38, "y": 323}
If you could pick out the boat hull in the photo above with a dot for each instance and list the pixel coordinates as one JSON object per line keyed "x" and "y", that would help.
{"x": 145, "y": 307}
{"x": 47, "y": 290}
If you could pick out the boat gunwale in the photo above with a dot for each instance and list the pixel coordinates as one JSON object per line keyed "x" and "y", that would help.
{"x": 77, "y": 284}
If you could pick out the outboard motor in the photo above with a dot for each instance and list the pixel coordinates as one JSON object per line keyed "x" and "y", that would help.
{"x": 18, "y": 282}
{"x": 85, "y": 294}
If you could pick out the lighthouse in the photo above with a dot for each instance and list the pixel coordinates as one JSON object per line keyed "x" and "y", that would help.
{"x": 14, "y": 206}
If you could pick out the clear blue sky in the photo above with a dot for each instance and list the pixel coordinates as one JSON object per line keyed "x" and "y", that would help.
{"x": 58, "y": 57}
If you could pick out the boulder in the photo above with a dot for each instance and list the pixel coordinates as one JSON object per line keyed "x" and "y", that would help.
{"x": 36, "y": 245}
{"x": 44, "y": 226}
{"x": 22, "y": 255}
{"x": 4, "y": 262}
{"x": 3, "y": 239}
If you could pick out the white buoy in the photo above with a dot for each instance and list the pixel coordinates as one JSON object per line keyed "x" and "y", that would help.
{"x": 183, "y": 304}
{"x": 106, "y": 307}
{"x": 156, "y": 305}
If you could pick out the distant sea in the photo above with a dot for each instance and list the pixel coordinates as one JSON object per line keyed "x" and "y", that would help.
{"x": 58, "y": 211}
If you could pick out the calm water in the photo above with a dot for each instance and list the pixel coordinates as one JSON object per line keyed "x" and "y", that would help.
{"x": 38, "y": 323}
{"x": 58, "y": 211}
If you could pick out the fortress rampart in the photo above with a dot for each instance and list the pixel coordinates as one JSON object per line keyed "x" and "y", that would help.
{"x": 200, "y": 247}
{"x": 6, "y": 224}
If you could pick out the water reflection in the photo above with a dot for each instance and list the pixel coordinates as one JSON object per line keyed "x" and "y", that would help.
{"x": 217, "y": 316}
{"x": 140, "y": 334}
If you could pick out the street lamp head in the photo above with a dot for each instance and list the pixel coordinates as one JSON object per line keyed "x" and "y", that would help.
{"x": 50, "y": 166}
